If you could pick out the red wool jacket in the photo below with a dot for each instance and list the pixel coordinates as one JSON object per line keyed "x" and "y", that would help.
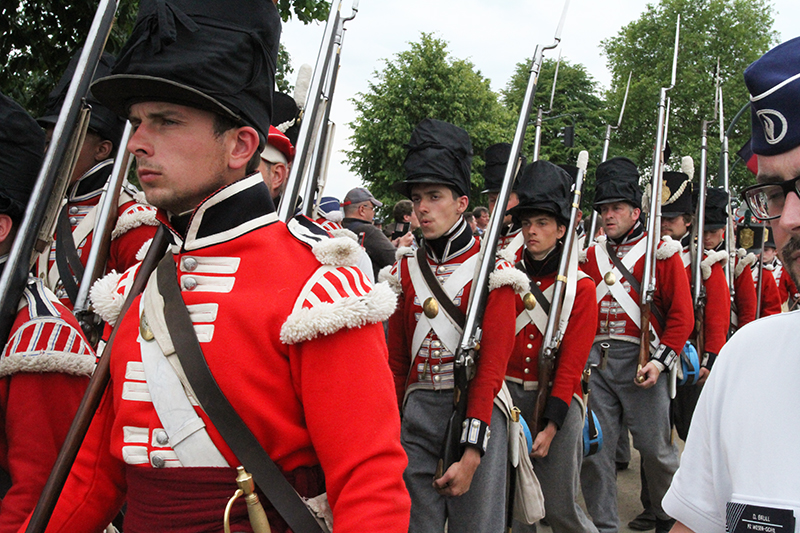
{"x": 672, "y": 297}
{"x": 44, "y": 371}
{"x": 770, "y": 297}
{"x": 279, "y": 331}
{"x": 523, "y": 366}
{"x": 135, "y": 225}
{"x": 717, "y": 312}
{"x": 420, "y": 370}
{"x": 744, "y": 296}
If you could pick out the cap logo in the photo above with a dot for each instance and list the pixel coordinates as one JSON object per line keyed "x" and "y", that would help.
{"x": 665, "y": 193}
{"x": 774, "y": 124}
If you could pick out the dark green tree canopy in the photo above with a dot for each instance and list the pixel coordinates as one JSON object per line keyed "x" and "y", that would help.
{"x": 37, "y": 40}
{"x": 735, "y": 32}
{"x": 422, "y": 82}
{"x": 576, "y": 101}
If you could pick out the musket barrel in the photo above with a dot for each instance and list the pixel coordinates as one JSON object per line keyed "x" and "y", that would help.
{"x": 91, "y": 399}
{"x": 12, "y": 282}
{"x": 104, "y": 226}
{"x": 697, "y": 275}
{"x": 306, "y": 135}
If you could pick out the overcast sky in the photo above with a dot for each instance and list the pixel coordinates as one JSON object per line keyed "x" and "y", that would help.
{"x": 494, "y": 35}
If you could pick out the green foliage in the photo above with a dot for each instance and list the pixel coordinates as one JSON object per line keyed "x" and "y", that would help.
{"x": 576, "y": 101}
{"x": 423, "y": 82}
{"x": 736, "y": 32}
{"x": 38, "y": 39}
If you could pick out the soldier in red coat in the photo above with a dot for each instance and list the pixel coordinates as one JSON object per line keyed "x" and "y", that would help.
{"x": 543, "y": 214}
{"x": 46, "y": 362}
{"x": 277, "y": 310}
{"x": 424, "y": 335}
{"x": 676, "y": 222}
{"x": 136, "y": 221}
{"x": 617, "y": 265}
{"x": 496, "y": 160}
{"x": 787, "y": 291}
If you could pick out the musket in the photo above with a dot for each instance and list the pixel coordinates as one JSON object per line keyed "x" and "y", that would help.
{"x": 698, "y": 287}
{"x": 101, "y": 238}
{"x": 465, "y": 357}
{"x": 537, "y": 137}
{"x": 314, "y": 111}
{"x": 760, "y": 283}
{"x": 724, "y": 172}
{"x": 36, "y": 229}
{"x": 606, "y": 142}
{"x": 556, "y": 324}
{"x": 654, "y": 220}
{"x": 92, "y": 397}
{"x": 314, "y": 180}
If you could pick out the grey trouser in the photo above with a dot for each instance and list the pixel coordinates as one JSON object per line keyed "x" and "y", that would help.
{"x": 558, "y": 473}
{"x": 483, "y": 508}
{"x": 615, "y": 397}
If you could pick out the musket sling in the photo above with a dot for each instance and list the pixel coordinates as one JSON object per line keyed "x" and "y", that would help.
{"x": 69, "y": 264}
{"x": 237, "y": 435}
{"x": 655, "y": 311}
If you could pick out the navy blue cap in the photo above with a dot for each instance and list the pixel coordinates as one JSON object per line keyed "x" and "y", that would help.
{"x": 774, "y": 84}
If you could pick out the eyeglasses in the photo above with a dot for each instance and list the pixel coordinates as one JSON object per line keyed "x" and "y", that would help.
{"x": 766, "y": 200}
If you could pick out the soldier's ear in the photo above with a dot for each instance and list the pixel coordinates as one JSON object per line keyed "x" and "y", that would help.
{"x": 243, "y": 147}
{"x": 7, "y": 232}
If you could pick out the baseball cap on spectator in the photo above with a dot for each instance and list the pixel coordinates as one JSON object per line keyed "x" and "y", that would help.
{"x": 278, "y": 149}
{"x": 358, "y": 195}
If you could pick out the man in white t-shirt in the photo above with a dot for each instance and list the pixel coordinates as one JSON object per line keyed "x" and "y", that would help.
{"x": 739, "y": 471}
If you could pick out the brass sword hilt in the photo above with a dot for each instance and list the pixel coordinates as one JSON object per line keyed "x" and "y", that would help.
{"x": 255, "y": 511}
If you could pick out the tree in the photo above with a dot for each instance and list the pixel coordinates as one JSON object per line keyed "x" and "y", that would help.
{"x": 735, "y": 32}
{"x": 423, "y": 82}
{"x": 576, "y": 102}
{"x": 38, "y": 39}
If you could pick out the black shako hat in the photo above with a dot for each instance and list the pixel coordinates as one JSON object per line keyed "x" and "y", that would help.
{"x": 572, "y": 170}
{"x": 544, "y": 187}
{"x": 774, "y": 84}
{"x": 676, "y": 195}
{"x": 495, "y": 160}
{"x": 716, "y": 209}
{"x": 103, "y": 121}
{"x": 215, "y": 55}
{"x": 438, "y": 152}
{"x": 21, "y": 155}
{"x": 286, "y": 116}
{"x": 617, "y": 180}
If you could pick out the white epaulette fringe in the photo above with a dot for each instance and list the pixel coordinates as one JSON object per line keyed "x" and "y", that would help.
{"x": 337, "y": 251}
{"x": 505, "y": 274}
{"x": 745, "y": 260}
{"x": 385, "y": 276}
{"x": 106, "y": 300}
{"x": 669, "y": 248}
{"x": 708, "y": 262}
{"x": 326, "y": 318}
{"x": 133, "y": 217}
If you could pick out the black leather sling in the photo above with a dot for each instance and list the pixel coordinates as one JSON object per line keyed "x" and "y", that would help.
{"x": 69, "y": 265}
{"x": 444, "y": 300}
{"x": 635, "y": 285}
{"x": 237, "y": 435}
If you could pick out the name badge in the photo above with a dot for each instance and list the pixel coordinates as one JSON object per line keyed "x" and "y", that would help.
{"x": 747, "y": 518}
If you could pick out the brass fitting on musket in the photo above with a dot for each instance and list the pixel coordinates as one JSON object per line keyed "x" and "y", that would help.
{"x": 255, "y": 511}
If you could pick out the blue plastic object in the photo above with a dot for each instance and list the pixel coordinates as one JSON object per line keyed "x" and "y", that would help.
{"x": 592, "y": 435}
{"x": 690, "y": 363}
{"x": 528, "y": 436}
